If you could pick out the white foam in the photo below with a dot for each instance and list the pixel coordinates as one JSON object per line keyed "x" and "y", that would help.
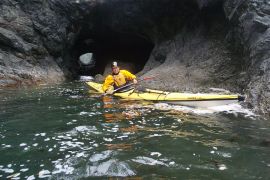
{"x": 44, "y": 173}
{"x": 86, "y": 78}
{"x": 84, "y": 129}
{"x": 80, "y": 154}
{"x": 57, "y": 161}
{"x": 224, "y": 154}
{"x": 13, "y": 176}
{"x": 100, "y": 156}
{"x": 155, "y": 154}
{"x": 155, "y": 135}
{"x": 7, "y": 170}
{"x": 121, "y": 137}
{"x": 70, "y": 144}
{"x": 32, "y": 177}
{"x": 7, "y": 146}
{"x": 23, "y": 144}
{"x": 108, "y": 139}
{"x": 148, "y": 161}
{"x": 111, "y": 168}
{"x": 24, "y": 169}
{"x": 75, "y": 96}
{"x": 222, "y": 167}
{"x": 233, "y": 108}
{"x": 83, "y": 113}
{"x": 230, "y": 108}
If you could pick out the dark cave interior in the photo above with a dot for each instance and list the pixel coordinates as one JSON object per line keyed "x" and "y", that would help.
{"x": 112, "y": 46}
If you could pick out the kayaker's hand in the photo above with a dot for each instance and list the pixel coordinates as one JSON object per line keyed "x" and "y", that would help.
{"x": 135, "y": 81}
{"x": 109, "y": 91}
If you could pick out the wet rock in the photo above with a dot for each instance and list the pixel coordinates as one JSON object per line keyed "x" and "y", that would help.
{"x": 266, "y": 9}
{"x": 251, "y": 22}
{"x": 99, "y": 78}
{"x": 25, "y": 56}
{"x": 262, "y": 23}
{"x": 9, "y": 38}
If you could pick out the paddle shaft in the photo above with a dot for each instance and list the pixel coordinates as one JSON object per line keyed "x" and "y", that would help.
{"x": 127, "y": 85}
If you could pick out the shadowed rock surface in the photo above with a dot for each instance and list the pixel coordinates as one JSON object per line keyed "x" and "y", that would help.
{"x": 189, "y": 45}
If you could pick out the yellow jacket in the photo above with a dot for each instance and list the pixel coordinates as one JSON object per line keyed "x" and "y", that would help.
{"x": 111, "y": 80}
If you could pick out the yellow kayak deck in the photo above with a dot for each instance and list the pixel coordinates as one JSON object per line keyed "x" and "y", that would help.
{"x": 156, "y": 95}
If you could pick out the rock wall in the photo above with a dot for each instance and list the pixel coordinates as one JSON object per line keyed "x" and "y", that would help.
{"x": 30, "y": 43}
{"x": 251, "y": 31}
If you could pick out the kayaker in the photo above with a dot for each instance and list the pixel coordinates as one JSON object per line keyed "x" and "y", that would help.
{"x": 117, "y": 79}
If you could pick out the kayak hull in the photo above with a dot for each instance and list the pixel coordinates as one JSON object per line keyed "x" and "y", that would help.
{"x": 206, "y": 103}
{"x": 186, "y": 99}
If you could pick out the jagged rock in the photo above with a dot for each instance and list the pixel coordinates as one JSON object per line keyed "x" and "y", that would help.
{"x": 252, "y": 26}
{"x": 266, "y": 9}
{"x": 10, "y": 39}
{"x": 99, "y": 78}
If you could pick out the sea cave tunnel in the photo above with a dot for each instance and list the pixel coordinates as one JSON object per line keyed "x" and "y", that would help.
{"x": 129, "y": 50}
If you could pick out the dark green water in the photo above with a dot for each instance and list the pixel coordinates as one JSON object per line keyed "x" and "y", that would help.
{"x": 62, "y": 132}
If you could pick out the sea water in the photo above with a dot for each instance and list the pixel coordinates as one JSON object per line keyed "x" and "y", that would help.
{"x": 65, "y": 132}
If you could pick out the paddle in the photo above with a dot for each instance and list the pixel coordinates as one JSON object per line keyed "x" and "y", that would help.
{"x": 127, "y": 85}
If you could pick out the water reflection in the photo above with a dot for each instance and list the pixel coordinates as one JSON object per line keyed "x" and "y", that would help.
{"x": 124, "y": 146}
{"x": 125, "y": 113}
{"x": 109, "y": 114}
{"x": 113, "y": 116}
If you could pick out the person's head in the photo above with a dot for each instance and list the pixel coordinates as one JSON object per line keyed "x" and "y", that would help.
{"x": 115, "y": 67}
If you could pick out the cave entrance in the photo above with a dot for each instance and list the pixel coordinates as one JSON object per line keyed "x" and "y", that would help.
{"x": 131, "y": 51}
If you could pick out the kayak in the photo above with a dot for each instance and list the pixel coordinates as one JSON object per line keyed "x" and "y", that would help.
{"x": 186, "y": 99}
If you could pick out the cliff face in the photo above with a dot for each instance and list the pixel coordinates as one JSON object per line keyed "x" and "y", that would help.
{"x": 197, "y": 43}
{"x": 251, "y": 31}
{"x": 31, "y": 39}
